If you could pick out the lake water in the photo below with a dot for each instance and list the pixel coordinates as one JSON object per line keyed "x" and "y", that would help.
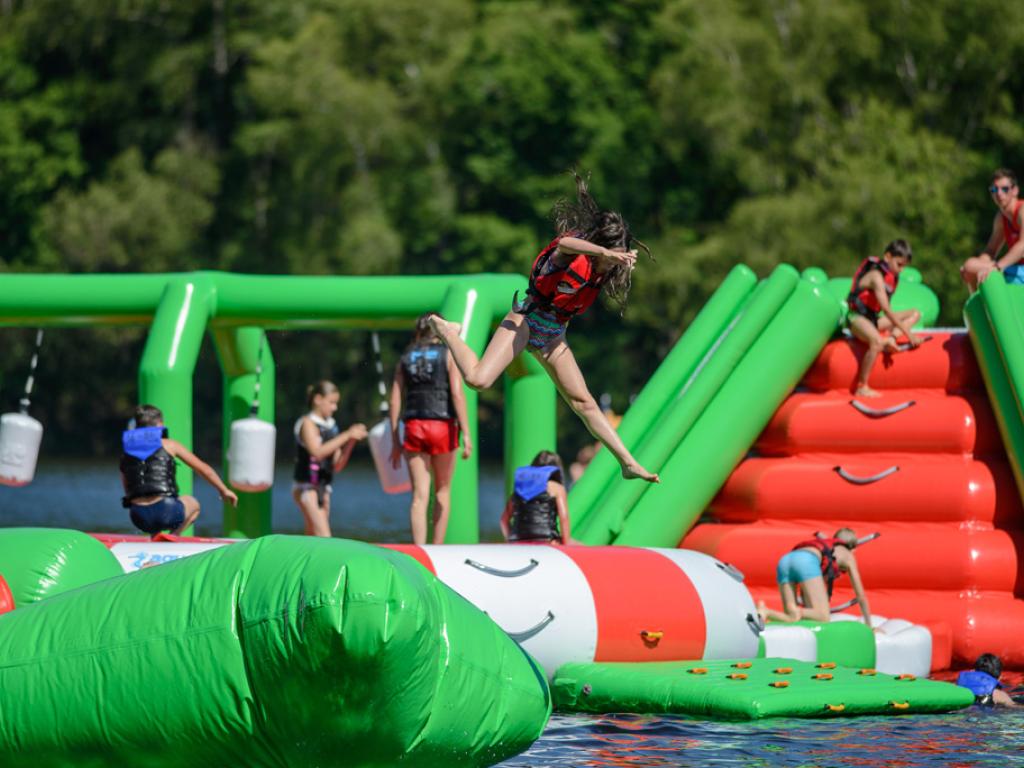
{"x": 86, "y": 495}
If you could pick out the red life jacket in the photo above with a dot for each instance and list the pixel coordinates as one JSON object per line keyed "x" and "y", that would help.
{"x": 1011, "y": 228}
{"x": 866, "y": 296}
{"x": 829, "y": 570}
{"x": 565, "y": 291}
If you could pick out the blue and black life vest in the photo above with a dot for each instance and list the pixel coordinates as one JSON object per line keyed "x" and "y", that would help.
{"x": 981, "y": 684}
{"x": 307, "y": 468}
{"x": 428, "y": 394}
{"x": 534, "y": 510}
{"x": 146, "y": 468}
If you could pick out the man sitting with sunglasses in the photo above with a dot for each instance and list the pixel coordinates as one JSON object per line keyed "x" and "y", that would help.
{"x": 1006, "y": 230}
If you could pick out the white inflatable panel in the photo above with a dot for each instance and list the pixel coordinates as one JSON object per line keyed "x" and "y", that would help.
{"x": 535, "y": 593}
{"x": 900, "y": 647}
{"x": 726, "y": 601}
{"x": 788, "y": 642}
{"x": 134, "y": 555}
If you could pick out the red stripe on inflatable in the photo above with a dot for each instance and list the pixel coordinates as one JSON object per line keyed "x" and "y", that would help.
{"x": 415, "y": 552}
{"x": 6, "y": 598}
{"x": 637, "y": 591}
{"x": 110, "y": 539}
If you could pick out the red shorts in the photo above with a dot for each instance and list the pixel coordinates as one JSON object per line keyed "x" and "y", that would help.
{"x": 432, "y": 436}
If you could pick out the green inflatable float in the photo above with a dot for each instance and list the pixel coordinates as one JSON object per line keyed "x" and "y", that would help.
{"x": 42, "y": 562}
{"x": 282, "y": 651}
{"x": 749, "y": 689}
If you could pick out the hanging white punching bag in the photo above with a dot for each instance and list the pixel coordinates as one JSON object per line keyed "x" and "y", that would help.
{"x": 251, "y": 455}
{"x": 391, "y": 480}
{"x": 20, "y": 436}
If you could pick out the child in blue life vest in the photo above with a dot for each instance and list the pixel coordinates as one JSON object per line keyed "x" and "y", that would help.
{"x": 148, "y": 475}
{"x": 983, "y": 682}
{"x": 870, "y": 312}
{"x": 593, "y": 253}
{"x": 538, "y": 509}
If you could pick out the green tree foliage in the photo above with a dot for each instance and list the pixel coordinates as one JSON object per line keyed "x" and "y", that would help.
{"x": 397, "y": 136}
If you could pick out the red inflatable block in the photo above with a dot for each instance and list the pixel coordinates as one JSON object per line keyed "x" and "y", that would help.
{"x": 924, "y": 421}
{"x": 902, "y": 488}
{"x": 944, "y": 362}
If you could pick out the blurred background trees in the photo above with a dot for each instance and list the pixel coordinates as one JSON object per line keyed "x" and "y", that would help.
{"x": 404, "y": 137}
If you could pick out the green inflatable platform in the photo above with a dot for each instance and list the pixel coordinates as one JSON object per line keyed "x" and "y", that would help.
{"x": 749, "y": 690}
{"x": 281, "y": 651}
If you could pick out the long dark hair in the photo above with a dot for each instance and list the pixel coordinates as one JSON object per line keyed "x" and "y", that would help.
{"x": 601, "y": 227}
{"x": 423, "y": 333}
{"x": 550, "y": 459}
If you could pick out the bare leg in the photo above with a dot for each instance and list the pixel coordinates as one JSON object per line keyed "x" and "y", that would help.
{"x": 864, "y": 330}
{"x": 442, "y": 467}
{"x": 561, "y": 365}
{"x": 419, "y": 474}
{"x": 191, "y": 504}
{"x": 790, "y": 609}
{"x": 508, "y": 341}
{"x": 313, "y": 514}
{"x": 816, "y": 607}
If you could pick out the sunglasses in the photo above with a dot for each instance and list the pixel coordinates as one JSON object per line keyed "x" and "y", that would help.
{"x": 1005, "y": 190}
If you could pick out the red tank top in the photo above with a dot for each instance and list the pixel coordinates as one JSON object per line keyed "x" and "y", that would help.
{"x": 1011, "y": 229}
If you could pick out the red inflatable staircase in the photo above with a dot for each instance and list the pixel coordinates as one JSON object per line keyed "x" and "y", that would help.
{"x": 923, "y": 465}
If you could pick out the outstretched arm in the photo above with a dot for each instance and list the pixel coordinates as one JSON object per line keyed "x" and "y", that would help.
{"x": 322, "y": 449}
{"x": 878, "y": 286}
{"x": 506, "y": 518}
{"x": 1014, "y": 253}
{"x": 605, "y": 258}
{"x": 200, "y": 467}
{"x": 858, "y": 589}
{"x": 459, "y": 401}
{"x": 562, "y": 503}
{"x": 394, "y": 411}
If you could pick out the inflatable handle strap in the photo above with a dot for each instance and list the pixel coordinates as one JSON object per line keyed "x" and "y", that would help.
{"x": 525, "y": 635}
{"x": 865, "y": 480}
{"x": 905, "y": 347}
{"x": 879, "y": 413}
{"x": 755, "y": 623}
{"x": 503, "y": 574}
{"x": 731, "y": 570}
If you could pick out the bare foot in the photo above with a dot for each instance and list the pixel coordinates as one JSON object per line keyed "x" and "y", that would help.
{"x": 890, "y": 347}
{"x": 762, "y": 611}
{"x": 636, "y": 472}
{"x": 867, "y": 391}
{"x": 442, "y": 327}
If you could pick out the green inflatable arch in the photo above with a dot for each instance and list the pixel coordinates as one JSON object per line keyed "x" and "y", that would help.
{"x": 238, "y": 309}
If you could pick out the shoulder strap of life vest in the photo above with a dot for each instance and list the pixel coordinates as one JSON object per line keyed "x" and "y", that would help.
{"x": 829, "y": 570}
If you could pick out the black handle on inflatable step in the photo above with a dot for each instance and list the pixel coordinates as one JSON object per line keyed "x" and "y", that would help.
{"x": 865, "y": 480}
{"x": 879, "y": 413}
{"x": 503, "y": 574}
{"x": 525, "y": 635}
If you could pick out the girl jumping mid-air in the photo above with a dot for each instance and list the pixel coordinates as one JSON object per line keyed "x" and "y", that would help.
{"x": 591, "y": 253}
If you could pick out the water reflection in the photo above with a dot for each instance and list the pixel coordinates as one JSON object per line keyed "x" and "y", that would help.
{"x": 976, "y": 737}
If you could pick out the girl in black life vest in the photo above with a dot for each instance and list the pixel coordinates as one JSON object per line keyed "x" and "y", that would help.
{"x": 591, "y": 254}
{"x": 427, "y": 394}
{"x": 538, "y": 509}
